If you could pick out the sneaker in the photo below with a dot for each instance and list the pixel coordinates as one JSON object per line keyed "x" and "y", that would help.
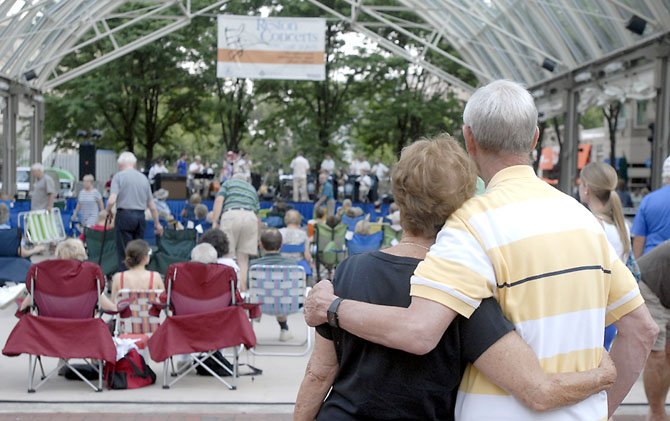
{"x": 285, "y": 335}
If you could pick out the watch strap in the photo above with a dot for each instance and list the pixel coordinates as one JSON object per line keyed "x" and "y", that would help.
{"x": 333, "y": 320}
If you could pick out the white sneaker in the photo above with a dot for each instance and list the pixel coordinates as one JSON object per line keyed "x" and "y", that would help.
{"x": 285, "y": 335}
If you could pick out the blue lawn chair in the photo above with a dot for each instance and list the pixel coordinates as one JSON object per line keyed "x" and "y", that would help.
{"x": 351, "y": 222}
{"x": 298, "y": 248}
{"x": 14, "y": 267}
{"x": 365, "y": 243}
{"x": 274, "y": 222}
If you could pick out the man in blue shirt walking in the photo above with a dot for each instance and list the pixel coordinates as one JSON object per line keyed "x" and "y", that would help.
{"x": 651, "y": 226}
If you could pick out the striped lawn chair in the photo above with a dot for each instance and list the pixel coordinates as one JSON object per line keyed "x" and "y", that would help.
{"x": 280, "y": 290}
{"x": 140, "y": 325}
{"x": 42, "y": 226}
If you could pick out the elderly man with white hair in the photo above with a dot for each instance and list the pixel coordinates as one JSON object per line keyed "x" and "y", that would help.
{"x": 542, "y": 255}
{"x": 204, "y": 253}
{"x": 44, "y": 189}
{"x": 131, "y": 193}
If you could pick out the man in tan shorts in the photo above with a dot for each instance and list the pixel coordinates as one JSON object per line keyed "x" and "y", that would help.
{"x": 655, "y": 289}
{"x": 234, "y": 212}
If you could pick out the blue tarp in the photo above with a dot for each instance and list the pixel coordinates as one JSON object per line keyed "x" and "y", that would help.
{"x": 306, "y": 209}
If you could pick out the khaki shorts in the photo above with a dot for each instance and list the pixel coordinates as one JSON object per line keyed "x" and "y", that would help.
{"x": 241, "y": 227}
{"x": 659, "y": 313}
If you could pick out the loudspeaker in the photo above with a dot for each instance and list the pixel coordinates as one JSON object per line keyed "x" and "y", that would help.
{"x": 175, "y": 184}
{"x": 636, "y": 25}
{"x": 549, "y": 64}
{"x": 86, "y": 160}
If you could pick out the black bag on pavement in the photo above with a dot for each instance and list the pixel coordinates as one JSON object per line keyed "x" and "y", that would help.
{"x": 214, "y": 366}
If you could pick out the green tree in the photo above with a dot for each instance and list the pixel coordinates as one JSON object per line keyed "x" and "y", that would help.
{"x": 408, "y": 103}
{"x": 135, "y": 100}
{"x": 611, "y": 113}
{"x": 591, "y": 118}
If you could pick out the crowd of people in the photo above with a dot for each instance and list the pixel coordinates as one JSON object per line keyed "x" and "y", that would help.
{"x": 499, "y": 305}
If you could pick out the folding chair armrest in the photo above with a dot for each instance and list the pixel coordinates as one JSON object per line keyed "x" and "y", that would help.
{"x": 156, "y": 308}
{"x": 122, "y": 309}
{"x": 253, "y": 309}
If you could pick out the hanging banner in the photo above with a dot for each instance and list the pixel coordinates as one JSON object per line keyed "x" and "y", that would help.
{"x": 271, "y": 48}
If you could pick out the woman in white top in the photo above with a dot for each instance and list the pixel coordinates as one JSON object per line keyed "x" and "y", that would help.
{"x": 597, "y": 190}
{"x": 89, "y": 203}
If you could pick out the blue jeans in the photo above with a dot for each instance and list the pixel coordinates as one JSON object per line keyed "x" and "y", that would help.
{"x": 129, "y": 226}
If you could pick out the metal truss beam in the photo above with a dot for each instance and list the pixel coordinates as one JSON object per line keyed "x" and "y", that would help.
{"x": 172, "y": 14}
{"x": 421, "y": 40}
{"x": 397, "y": 49}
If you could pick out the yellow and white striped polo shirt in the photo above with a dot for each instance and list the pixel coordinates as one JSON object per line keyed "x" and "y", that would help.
{"x": 546, "y": 259}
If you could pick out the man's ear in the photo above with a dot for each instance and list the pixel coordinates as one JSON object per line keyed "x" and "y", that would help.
{"x": 536, "y": 136}
{"x": 470, "y": 145}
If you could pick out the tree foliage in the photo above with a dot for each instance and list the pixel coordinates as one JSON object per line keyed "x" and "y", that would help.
{"x": 135, "y": 100}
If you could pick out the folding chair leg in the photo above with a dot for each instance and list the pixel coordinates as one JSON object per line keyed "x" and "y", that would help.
{"x": 31, "y": 373}
{"x": 173, "y": 372}
{"x": 165, "y": 372}
{"x": 39, "y": 359}
{"x": 99, "y": 376}
{"x": 236, "y": 358}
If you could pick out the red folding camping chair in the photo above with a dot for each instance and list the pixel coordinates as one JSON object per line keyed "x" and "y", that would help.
{"x": 62, "y": 322}
{"x": 203, "y": 316}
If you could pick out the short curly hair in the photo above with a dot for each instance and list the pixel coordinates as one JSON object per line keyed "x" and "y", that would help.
{"x": 432, "y": 179}
{"x": 71, "y": 249}
{"x": 218, "y": 239}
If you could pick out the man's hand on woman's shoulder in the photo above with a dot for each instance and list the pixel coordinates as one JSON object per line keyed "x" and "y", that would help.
{"x": 317, "y": 303}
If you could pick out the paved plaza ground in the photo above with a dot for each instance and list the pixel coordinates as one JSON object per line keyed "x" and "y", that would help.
{"x": 268, "y": 397}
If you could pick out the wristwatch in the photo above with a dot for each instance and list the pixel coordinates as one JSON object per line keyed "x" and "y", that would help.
{"x": 332, "y": 312}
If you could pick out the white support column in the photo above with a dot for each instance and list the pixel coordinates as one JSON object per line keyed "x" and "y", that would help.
{"x": 570, "y": 146}
{"x": 9, "y": 144}
{"x": 660, "y": 147}
{"x": 37, "y": 130}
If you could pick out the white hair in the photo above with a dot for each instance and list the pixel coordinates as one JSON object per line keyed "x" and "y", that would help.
{"x": 127, "y": 158}
{"x": 204, "y": 253}
{"x": 37, "y": 167}
{"x": 502, "y": 116}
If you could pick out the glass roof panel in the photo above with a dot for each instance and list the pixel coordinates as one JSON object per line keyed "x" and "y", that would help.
{"x": 498, "y": 38}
